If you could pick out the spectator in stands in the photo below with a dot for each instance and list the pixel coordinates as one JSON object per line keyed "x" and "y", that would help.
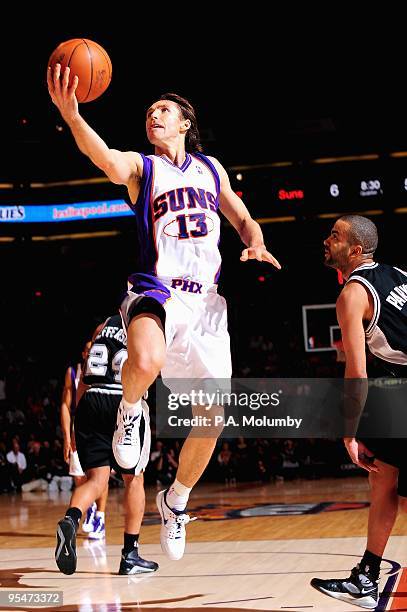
{"x": 226, "y": 464}
{"x": 164, "y": 463}
{"x": 262, "y": 467}
{"x": 18, "y": 465}
{"x": 172, "y": 464}
{"x": 37, "y": 462}
{"x": 242, "y": 460}
{"x": 291, "y": 459}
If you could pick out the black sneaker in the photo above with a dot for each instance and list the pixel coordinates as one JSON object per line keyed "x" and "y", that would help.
{"x": 359, "y": 589}
{"x": 65, "y": 552}
{"x": 131, "y": 563}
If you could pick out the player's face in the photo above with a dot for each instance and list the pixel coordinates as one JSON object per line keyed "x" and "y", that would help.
{"x": 337, "y": 247}
{"x": 163, "y": 122}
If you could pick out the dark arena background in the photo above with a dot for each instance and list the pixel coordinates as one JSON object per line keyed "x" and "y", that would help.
{"x": 302, "y": 144}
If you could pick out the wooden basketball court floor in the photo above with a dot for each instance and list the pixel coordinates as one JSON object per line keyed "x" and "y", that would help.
{"x": 255, "y": 547}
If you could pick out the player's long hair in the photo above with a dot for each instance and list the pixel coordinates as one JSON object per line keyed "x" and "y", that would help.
{"x": 192, "y": 140}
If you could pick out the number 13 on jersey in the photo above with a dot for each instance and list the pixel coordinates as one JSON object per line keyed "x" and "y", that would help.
{"x": 192, "y": 226}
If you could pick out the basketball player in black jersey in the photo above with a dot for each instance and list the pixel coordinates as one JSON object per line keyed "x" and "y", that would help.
{"x": 71, "y": 394}
{"x": 371, "y": 309}
{"x": 95, "y": 421}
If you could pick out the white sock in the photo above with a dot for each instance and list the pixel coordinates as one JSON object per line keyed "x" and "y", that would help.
{"x": 177, "y": 495}
{"x": 100, "y": 514}
{"x": 134, "y": 407}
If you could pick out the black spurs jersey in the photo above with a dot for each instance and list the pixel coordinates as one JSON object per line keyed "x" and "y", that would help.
{"x": 107, "y": 355}
{"x": 386, "y": 333}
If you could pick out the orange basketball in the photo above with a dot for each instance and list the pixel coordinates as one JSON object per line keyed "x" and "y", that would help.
{"x": 89, "y": 62}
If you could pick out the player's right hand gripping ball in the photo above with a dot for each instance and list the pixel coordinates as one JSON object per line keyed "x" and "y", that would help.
{"x": 89, "y": 62}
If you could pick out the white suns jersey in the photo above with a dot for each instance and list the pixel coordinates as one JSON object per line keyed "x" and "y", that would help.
{"x": 178, "y": 223}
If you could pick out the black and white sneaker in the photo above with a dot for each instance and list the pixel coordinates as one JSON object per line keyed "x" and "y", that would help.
{"x": 359, "y": 589}
{"x": 65, "y": 552}
{"x": 132, "y": 563}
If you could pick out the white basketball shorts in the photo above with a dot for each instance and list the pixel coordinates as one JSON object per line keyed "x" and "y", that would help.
{"x": 198, "y": 343}
{"x": 197, "y": 338}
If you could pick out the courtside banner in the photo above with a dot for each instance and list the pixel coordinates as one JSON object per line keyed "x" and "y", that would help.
{"x": 78, "y": 211}
{"x": 282, "y": 407}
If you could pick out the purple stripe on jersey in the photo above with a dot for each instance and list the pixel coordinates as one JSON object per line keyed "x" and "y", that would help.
{"x": 215, "y": 280}
{"x": 184, "y": 165}
{"x": 146, "y": 254}
{"x": 150, "y": 286}
{"x": 212, "y": 168}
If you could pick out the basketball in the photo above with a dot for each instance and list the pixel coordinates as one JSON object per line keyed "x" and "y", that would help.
{"x": 89, "y": 62}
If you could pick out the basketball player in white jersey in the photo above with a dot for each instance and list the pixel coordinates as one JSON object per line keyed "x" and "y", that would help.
{"x": 71, "y": 394}
{"x": 176, "y": 321}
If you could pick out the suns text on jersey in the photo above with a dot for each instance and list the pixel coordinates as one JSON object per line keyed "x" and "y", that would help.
{"x": 176, "y": 200}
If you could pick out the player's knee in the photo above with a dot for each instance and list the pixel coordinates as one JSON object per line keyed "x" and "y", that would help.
{"x": 133, "y": 480}
{"x": 403, "y": 504}
{"x": 146, "y": 364}
{"x": 383, "y": 482}
{"x": 99, "y": 481}
{"x": 137, "y": 486}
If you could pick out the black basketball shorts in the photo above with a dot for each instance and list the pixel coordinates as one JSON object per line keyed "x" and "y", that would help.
{"x": 95, "y": 422}
{"x": 389, "y": 450}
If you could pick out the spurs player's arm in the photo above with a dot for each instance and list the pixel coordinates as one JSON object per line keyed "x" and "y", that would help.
{"x": 238, "y": 215}
{"x": 65, "y": 414}
{"x": 352, "y": 308}
{"x": 121, "y": 167}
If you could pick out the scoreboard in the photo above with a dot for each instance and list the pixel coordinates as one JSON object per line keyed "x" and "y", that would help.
{"x": 325, "y": 188}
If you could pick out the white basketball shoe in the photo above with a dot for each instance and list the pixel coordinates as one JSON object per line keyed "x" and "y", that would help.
{"x": 126, "y": 438}
{"x": 172, "y": 534}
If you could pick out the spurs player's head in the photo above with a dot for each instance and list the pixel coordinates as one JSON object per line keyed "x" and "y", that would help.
{"x": 171, "y": 121}
{"x": 352, "y": 242}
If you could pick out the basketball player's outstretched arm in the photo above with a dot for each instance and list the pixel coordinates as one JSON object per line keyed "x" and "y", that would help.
{"x": 121, "y": 167}
{"x": 351, "y": 309}
{"x": 238, "y": 215}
